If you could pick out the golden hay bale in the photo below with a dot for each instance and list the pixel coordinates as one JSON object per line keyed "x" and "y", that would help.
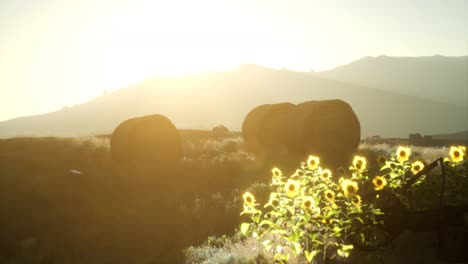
{"x": 271, "y": 131}
{"x": 329, "y": 129}
{"x": 262, "y": 121}
{"x": 149, "y": 141}
{"x": 121, "y": 140}
{"x": 251, "y": 126}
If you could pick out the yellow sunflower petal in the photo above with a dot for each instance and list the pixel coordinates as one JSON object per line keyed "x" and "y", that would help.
{"x": 416, "y": 167}
{"x": 359, "y": 163}
{"x": 379, "y": 183}
{"x": 292, "y": 188}
{"x": 313, "y": 162}
{"x": 403, "y": 153}
{"x": 349, "y": 188}
{"x": 456, "y": 154}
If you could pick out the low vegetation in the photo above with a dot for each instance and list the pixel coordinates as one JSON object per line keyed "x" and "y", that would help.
{"x": 311, "y": 218}
{"x": 63, "y": 200}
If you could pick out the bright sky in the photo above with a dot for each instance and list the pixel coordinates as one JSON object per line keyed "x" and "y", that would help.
{"x": 55, "y": 53}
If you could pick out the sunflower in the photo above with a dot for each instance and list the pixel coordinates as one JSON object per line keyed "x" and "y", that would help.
{"x": 308, "y": 203}
{"x": 341, "y": 171}
{"x": 356, "y": 200}
{"x": 456, "y": 153}
{"x": 379, "y": 183}
{"x": 273, "y": 202}
{"x": 292, "y": 188}
{"x": 313, "y": 162}
{"x": 416, "y": 167}
{"x": 403, "y": 154}
{"x": 381, "y": 160}
{"x": 349, "y": 188}
{"x": 326, "y": 174}
{"x": 463, "y": 148}
{"x": 359, "y": 163}
{"x": 297, "y": 175}
{"x": 276, "y": 173}
{"x": 330, "y": 195}
{"x": 249, "y": 199}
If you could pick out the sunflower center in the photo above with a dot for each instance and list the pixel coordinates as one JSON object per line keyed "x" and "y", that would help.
{"x": 291, "y": 187}
{"x": 382, "y": 160}
{"x": 350, "y": 189}
{"x": 417, "y": 167}
{"x": 312, "y": 162}
{"x": 308, "y": 203}
{"x": 456, "y": 154}
{"x": 402, "y": 153}
{"x": 275, "y": 202}
{"x": 355, "y": 200}
{"x": 359, "y": 164}
{"x": 379, "y": 182}
{"x": 329, "y": 195}
{"x": 393, "y": 166}
{"x": 325, "y": 175}
{"x": 248, "y": 199}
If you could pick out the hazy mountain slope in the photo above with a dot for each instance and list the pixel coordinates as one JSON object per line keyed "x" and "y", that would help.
{"x": 208, "y": 99}
{"x": 454, "y": 136}
{"x": 438, "y": 78}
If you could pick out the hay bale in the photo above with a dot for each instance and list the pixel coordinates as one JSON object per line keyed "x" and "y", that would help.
{"x": 149, "y": 141}
{"x": 220, "y": 131}
{"x": 329, "y": 129}
{"x": 121, "y": 141}
{"x": 254, "y": 126}
{"x": 251, "y": 126}
{"x": 271, "y": 133}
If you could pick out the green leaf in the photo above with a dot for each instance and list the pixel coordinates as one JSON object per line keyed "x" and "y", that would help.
{"x": 266, "y": 222}
{"x": 244, "y": 228}
{"x": 337, "y": 229}
{"x": 297, "y": 248}
{"x": 291, "y": 210}
{"x": 310, "y": 255}
{"x": 348, "y": 247}
{"x": 360, "y": 220}
{"x": 345, "y": 251}
{"x": 314, "y": 236}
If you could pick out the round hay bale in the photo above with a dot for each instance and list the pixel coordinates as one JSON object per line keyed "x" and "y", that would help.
{"x": 251, "y": 126}
{"x": 121, "y": 141}
{"x": 263, "y": 121}
{"x": 271, "y": 133}
{"x": 329, "y": 129}
{"x": 149, "y": 142}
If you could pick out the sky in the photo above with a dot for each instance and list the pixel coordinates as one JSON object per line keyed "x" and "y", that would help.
{"x": 56, "y": 53}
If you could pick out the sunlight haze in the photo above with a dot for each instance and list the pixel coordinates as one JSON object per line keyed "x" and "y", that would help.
{"x": 60, "y": 53}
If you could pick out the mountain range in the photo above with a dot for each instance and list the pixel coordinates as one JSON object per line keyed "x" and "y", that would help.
{"x": 392, "y": 97}
{"x": 436, "y": 78}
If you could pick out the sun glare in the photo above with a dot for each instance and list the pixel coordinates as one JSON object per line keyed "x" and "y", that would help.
{"x": 165, "y": 44}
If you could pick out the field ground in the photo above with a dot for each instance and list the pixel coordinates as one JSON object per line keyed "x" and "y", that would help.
{"x": 62, "y": 200}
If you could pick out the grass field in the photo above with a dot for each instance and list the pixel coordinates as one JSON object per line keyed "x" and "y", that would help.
{"x": 62, "y": 200}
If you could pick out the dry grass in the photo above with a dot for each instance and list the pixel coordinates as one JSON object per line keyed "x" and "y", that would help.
{"x": 105, "y": 214}
{"x": 426, "y": 154}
